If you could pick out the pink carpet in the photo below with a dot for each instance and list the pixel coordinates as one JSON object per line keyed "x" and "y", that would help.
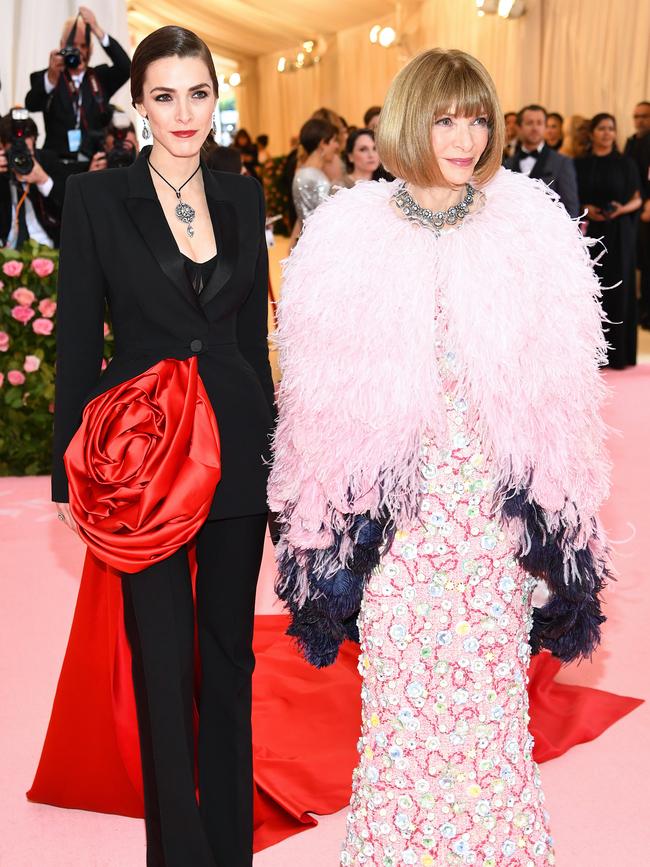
{"x": 597, "y": 793}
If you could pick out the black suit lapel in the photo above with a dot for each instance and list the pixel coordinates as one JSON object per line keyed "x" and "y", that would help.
{"x": 540, "y": 163}
{"x": 145, "y": 211}
{"x": 224, "y": 222}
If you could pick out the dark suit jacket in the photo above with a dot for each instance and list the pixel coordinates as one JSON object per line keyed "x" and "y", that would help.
{"x": 639, "y": 150}
{"x": 58, "y": 109}
{"x": 47, "y": 208}
{"x": 557, "y": 171}
{"x": 117, "y": 249}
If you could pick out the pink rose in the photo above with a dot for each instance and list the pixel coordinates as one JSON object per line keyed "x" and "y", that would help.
{"x": 104, "y": 364}
{"x": 12, "y": 268}
{"x": 15, "y": 377}
{"x": 43, "y": 326}
{"x": 22, "y": 314}
{"x": 2, "y": 285}
{"x": 107, "y": 330}
{"x": 51, "y": 407}
{"x": 32, "y": 363}
{"x": 43, "y": 267}
{"x": 47, "y": 308}
{"x": 24, "y": 296}
{"x": 4, "y": 341}
{"x": 2, "y": 379}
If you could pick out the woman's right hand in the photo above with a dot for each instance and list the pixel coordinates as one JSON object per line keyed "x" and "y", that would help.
{"x": 67, "y": 519}
{"x": 594, "y": 213}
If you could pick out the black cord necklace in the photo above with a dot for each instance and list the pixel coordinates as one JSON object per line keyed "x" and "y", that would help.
{"x": 184, "y": 212}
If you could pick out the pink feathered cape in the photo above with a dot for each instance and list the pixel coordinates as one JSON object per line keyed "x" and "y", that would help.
{"x": 357, "y": 328}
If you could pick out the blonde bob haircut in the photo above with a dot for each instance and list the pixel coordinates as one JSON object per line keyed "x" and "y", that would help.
{"x": 435, "y": 83}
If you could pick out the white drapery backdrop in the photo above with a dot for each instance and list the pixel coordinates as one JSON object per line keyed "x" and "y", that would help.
{"x": 573, "y": 56}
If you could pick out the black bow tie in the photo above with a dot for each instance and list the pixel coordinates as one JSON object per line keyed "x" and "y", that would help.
{"x": 524, "y": 154}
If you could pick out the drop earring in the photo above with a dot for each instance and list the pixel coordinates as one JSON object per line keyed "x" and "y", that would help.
{"x": 146, "y": 132}
{"x": 215, "y": 131}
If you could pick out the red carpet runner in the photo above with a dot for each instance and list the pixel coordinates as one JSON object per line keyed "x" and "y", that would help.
{"x": 305, "y": 722}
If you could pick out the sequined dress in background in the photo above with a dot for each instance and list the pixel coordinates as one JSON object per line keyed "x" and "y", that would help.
{"x": 309, "y": 188}
{"x": 446, "y": 775}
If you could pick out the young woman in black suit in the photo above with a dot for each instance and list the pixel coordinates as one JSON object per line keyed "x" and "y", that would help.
{"x": 178, "y": 289}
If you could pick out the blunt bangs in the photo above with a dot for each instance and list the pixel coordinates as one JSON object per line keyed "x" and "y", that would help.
{"x": 435, "y": 83}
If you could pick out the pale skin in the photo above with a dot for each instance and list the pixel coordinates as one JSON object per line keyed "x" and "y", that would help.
{"x": 603, "y": 139}
{"x": 364, "y": 158}
{"x": 554, "y": 131}
{"x": 56, "y": 65}
{"x": 177, "y": 95}
{"x": 532, "y": 129}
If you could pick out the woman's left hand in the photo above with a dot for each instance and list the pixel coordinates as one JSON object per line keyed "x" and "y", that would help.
{"x": 618, "y": 210}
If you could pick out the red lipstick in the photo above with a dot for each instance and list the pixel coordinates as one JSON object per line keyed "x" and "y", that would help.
{"x": 184, "y": 133}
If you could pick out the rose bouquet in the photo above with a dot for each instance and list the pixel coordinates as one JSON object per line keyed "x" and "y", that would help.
{"x": 27, "y": 358}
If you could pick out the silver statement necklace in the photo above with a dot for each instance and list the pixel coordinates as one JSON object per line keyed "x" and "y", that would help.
{"x": 434, "y": 220}
{"x": 184, "y": 212}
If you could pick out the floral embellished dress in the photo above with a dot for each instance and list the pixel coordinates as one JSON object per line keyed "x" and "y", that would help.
{"x": 446, "y": 775}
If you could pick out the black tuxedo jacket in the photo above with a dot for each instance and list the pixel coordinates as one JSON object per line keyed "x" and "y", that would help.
{"x": 557, "y": 171}
{"x": 118, "y": 250}
{"x": 57, "y": 106}
{"x": 47, "y": 208}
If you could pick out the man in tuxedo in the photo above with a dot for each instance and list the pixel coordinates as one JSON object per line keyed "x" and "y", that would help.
{"x": 30, "y": 204}
{"x": 638, "y": 147}
{"x": 73, "y": 96}
{"x": 536, "y": 159}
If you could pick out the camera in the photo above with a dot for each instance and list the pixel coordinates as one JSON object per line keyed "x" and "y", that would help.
{"x": 19, "y": 156}
{"x": 122, "y": 154}
{"x": 71, "y": 56}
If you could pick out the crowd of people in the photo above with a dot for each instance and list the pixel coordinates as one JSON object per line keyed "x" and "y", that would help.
{"x": 579, "y": 159}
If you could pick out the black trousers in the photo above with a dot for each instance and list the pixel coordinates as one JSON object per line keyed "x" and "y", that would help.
{"x": 159, "y": 619}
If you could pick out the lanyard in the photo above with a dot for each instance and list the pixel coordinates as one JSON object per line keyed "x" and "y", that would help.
{"x": 75, "y": 98}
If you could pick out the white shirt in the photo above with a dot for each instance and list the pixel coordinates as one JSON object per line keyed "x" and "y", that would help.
{"x": 526, "y": 163}
{"x": 76, "y": 79}
{"x": 36, "y": 231}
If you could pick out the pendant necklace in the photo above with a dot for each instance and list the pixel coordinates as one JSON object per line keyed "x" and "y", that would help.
{"x": 434, "y": 220}
{"x": 184, "y": 212}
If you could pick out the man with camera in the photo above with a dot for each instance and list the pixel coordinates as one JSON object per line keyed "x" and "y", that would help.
{"x": 118, "y": 146}
{"x": 32, "y": 184}
{"x": 73, "y": 96}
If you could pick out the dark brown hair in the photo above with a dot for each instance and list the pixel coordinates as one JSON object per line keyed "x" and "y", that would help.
{"x": 533, "y": 107}
{"x": 170, "y": 41}
{"x": 314, "y": 131}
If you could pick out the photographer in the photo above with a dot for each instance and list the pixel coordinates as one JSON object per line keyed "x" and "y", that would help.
{"x": 32, "y": 184}
{"x": 118, "y": 146}
{"x": 73, "y": 96}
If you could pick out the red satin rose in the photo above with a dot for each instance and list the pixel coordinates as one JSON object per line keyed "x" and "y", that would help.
{"x": 143, "y": 466}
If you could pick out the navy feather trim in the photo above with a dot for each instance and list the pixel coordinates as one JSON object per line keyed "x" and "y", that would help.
{"x": 329, "y": 616}
{"x": 569, "y": 624}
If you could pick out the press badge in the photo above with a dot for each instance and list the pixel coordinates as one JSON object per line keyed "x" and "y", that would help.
{"x": 74, "y": 140}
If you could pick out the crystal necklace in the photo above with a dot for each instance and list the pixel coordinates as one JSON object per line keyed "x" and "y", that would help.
{"x": 434, "y": 220}
{"x": 184, "y": 212}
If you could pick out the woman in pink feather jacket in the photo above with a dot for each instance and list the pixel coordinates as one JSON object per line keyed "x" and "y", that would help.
{"x": 439, "y": 464}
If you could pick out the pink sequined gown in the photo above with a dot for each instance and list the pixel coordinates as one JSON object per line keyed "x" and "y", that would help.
{"x": 446, "y": 775}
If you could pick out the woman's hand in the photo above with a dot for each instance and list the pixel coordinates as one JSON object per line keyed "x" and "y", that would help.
{"x": 645, "y": 213}
{"x": 617, "y": 212}
{"x": 541, "y": 594}
{"x": 67, "y": 519}
{"x": 595, "y": 214}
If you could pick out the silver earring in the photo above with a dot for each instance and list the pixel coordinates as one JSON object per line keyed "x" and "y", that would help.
{"x": 215, "y": 131}
{"x": 146, "y": 132}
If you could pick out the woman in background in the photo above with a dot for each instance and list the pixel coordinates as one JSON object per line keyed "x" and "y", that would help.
{"x": 609, "y": 188}
{"x": 554, "y": 130}
{"x": 361, "y": 158}
{"x": 248, "y": 150}
{"x": 311, "y": 186}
